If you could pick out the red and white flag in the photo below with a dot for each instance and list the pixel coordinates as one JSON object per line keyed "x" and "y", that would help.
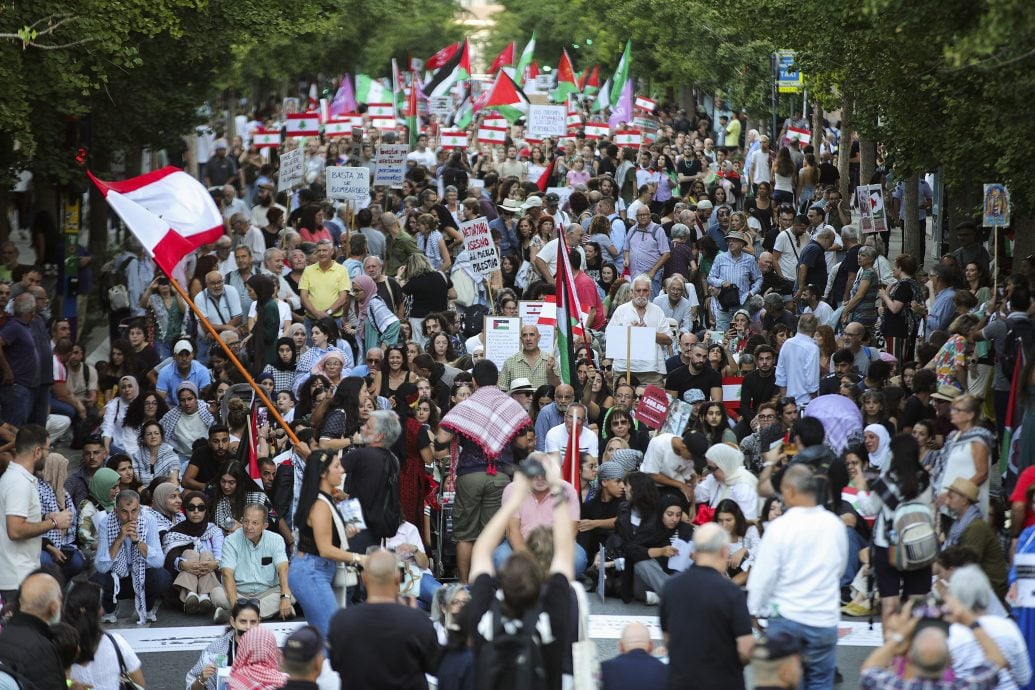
{"x": 379, "y": 110}
{"x": 170, "y": 212}
{"x": 573, "y": 118}
{"x": 628, "y": 137}
{"x": 303, "y": 125}
{"x": 385, "y": 124}
{"x": 494, "y": 122}
{"x": 644, "y": 103}
{"x": 342, "y": 126}
{"x": 266, "y": 138}
{"x": 453, "y": 139}
{"x": 804, "y": 135}
{"x": 492, "y": 135}
{"x": 597, "y": 130}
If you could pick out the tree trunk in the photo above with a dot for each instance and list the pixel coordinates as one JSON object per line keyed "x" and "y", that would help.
{"x": 867, "y": 159}
{"x": 5, "y": 223}
{"x": 817, "y": 128}
{"x": 913, "y": 240}
{"x": 845, "y": 148}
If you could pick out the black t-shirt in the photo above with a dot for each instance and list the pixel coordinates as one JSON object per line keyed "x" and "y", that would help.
{"x": 366, "y": 478}
{"x": 756, "y": 390}
{"x": 814, "y": 258}
{"x": 849, "y": 266}
{"x": 207, "y": 463}
{"x": 390, "y": 292}
{"x": 828, "y": 174}
{"x": 896, "y": 325}
{"x": 555, "y": 600}
{"x": 914, "y": 412}
{"x": 430, "y": 293}
{"x": 681, "y": 380}
{"x": 383, "y": 646}
{"x": 704, "y": 614}
{"x": 596, "y": 509}
{"x": 687, "y": 167}
{"x": 764, "y": 216}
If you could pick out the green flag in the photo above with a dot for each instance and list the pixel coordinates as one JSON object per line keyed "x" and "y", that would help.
{"x": 621, "y": 74}
{"x": 524, "y": 61}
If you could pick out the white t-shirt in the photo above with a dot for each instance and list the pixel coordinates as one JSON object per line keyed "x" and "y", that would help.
{"x": 557, "y": 440}
{"x": 789, "y": 253}
{"x": 548, "y": 253}
{"x": 760, "y": 171}
{"x": 824, "y": 312}
{"x": 282, "y": 307}
{"x": 103, "y": 672}
{"x": 661, "y": 459}
{"x": 408, "y": 534}
{"x": 18, "y": 497}
{"x": 425, "y": 158}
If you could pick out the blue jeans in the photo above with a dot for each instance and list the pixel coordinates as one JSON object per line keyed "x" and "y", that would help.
{"x": 73, "y": 565}
{"x": 310, "y": 578}
{"x": 15, "y": 400}
{"x": 62, "y": 408}
{"x": 855, "y": 544}
{"x": 818, "y": 651}
{"x": 157, "y": 582}
{"x": 503, "y": 551}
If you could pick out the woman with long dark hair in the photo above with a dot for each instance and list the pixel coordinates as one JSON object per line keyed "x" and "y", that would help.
{"x": 414, "y": 448}
{"x": 235, "y": 490}
{"x": 102, "y": 655}
{"x": 282, "y": 367}
{"x": 713, "y": 422}
{"x": 744, "y": 539}
{"x": 785, "y": 177}
{"x": 320, "y": 545}
{"x": 266, "y": 326}
{"x": 222, "y": 651}
{"x": 341, "y": 420}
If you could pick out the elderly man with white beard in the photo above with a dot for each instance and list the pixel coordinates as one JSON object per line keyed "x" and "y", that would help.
{"x": 641, "y": 312}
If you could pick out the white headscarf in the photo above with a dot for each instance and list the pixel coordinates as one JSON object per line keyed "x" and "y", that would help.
{"x": 731, "y": 461}
{"x": 880, "y": 458}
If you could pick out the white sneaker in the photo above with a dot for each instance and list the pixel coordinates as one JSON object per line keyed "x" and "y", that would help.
{"x": 221, "y": 615}
{"x": 152, "y": 615}
{"x": 110, "y": 618}
{"x": 652, "y": 598}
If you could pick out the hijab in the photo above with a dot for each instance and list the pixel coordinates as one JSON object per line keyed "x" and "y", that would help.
{"x": 730, "y": 460}
{"x": 55, "y": 472}
{"x": 100, "y": 487}
{"x": 159, "y": 496}
{"x": 257, "y": 662}
{"x": 880, "y": 458}
{"x": 193, "y": 529}
{"x": 278, "y": 363}
{"x": 369, "y": 288}
{"x": 135, "y": 391}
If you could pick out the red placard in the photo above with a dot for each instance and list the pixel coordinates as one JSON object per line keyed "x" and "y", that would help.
{"x": 653, "y": 407}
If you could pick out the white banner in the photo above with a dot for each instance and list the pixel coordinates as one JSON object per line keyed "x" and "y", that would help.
{"x": 547, "y": 121}
{"x": 292, "y": 169}
{"x": 502, "y": 338}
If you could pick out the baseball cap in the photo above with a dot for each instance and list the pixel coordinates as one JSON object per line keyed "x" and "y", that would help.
{"x": 552, "y": 197}
{"x": 304, "y": 644}
{"x": 220, "y": 144}
{"x": 531, "y": 202}
{"x": 182, "y": 345}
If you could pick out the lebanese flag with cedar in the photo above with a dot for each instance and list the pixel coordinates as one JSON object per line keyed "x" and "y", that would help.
{"x": 342, "y": 126}
{"x": 376, "y": 110}
{"x": 453, "y": 139}
{"x": 266, "y": 138}
{"x": 804, "y": 135}
{"x": 303, "y": 125}
{"x": 492, "y": 135}
{"x": 644, "y": 103}
{"x": 597, "y": 130}
{"x": 628, "y": 137}
{"x": 170, "y": 212}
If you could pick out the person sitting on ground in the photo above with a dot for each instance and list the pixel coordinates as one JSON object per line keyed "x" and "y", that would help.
{"x": 192, "y": 550}
{"x": 222, "y": 651}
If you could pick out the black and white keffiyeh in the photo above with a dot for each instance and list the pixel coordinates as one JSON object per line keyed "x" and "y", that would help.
{"x": 129, "y": 562}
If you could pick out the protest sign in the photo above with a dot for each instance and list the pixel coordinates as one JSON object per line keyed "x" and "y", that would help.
{"x": 631, "y": 343}
{"x": 653, "y": 407}
{"x": 996, "y": 209}
{"x": 872, "y": 215}
{"x": 544, "y": 82}
{"x": 479, "y": 246}
{"x": 441, "y": 106}
{"x": 292, "y": 169}
{"x": 731, "y": 395}
{"x": 502, "y": 338}
{"x": 348, "y": 184}
{"x": 391, "y": 164}
{"x": 547, "y": 120}
{"x": 532, "y": 314}
{"x": 562, "y": 192}
{"x": 678, "y": 417}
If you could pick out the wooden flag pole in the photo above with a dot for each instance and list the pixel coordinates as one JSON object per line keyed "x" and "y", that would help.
{"x": 233, "y": 358}
{"x": 573, "y": 444}
{"x": 628, "y": 355}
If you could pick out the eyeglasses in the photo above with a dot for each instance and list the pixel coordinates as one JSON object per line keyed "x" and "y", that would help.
{"x": 373, "y": 360}
{"x": 197, "y": 507}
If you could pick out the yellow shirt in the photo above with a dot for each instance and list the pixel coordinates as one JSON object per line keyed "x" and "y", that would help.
{"x": 325, "y": 287}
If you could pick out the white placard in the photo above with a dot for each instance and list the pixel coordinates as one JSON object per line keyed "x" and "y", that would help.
{"x": 391, "y": 164}
{"x": 544, "y": 82}
{"x": 348, "y": 184}
{"x": 479, "y": 245}
{"x": 547, "y": 121}
{"x": 1025, "y": 565}
{"x": 440, "y": 105}
{"x": 638, "y": 341}
{"x": 292, "y": 169}
{"x": 529, "y": 313}
{"x": 562, "y": 192}
{"x": 502, "y": 338}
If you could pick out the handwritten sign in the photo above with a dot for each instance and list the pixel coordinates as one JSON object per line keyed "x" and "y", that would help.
{"x": 292, "y": 169}
{"x": 391, "y": 164}
{"x": 547, "y": 121}
{"x": 479, "y": 245}
{"x": 348, "y": 184}
{"x": 502, "y": 338}
{"x": 653, "y": 407}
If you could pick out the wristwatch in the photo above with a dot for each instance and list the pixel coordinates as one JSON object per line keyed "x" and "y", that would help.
{"x": 285, "y": 596}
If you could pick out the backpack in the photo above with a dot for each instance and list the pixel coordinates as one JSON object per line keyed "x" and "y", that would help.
{"x": 912, "y": 540}
{"x": 513, "y": 659}
{"x": 114, "y": 284}
{"x": 474, "y": 319}
{"x": 1020, "y": 336}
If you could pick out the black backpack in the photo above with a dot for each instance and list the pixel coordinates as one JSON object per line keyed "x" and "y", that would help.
{"x": 511, "y": 660}
{"x": 1020, "y": 336}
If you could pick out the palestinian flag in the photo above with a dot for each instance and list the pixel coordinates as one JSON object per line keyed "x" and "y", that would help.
{"x": 570, "y": 317}
{"x": 544, "y": 180}
{"x": 398, "y": 89}
{"x": 1007, "y": 440}
{"x": 504, "y": 59}
{"x": 525, "y": 61}
{"x": 248, "y": 450}
{"x": 621, "y": 75}
{"x": 571, "y": 468}
{"x": 452, "y": 139}
{"x": 303, "y": 125}
{"x": 441, "y": 57}
{"x": 464, "y": 114}
{"x": 565, "y": 80}
{"x": 597, "y": 130}
{"x": 591, "y": 85}
{"x": 266, "y": 138}
{"x": 507, "y": 98}
{"x": 412, "y": 116}
{"x": 456, "y": 69}
{"x": 370, "y": 90}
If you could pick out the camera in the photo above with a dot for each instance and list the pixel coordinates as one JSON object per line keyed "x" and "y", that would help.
{"x": 932, "y": 612}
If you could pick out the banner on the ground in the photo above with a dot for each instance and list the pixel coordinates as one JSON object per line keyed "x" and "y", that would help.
{"x": 292, "y": 169}
{"x": 391, "y": 164}
{"x": 348, "y": 184}
{"x": 872, "y": 212}
{"x": 502, "y": 338}
{"x": 547, "y": 121}
{"x": 479, "y": 245}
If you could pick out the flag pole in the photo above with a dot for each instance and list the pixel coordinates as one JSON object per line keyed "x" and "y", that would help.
{"x": 256, "y": 388}
{"x": 573, "y": 448}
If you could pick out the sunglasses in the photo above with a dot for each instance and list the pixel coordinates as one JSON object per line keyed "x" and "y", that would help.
{"x": 197, "y": 507}
{"x": 373, "y": 360}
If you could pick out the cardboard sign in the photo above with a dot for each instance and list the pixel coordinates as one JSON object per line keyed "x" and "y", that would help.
{"x": 479, "y": 245}
{"x": 995, "y": 211}
{"x": 502, "y": 338}
{"x": 547, "y": 121}
{"x": 872, "y": 212}
{"x": 653, "y": 407}
{"x": 441, "y": 106}
{"x": 391, "y": 164}
{"x": 292, "y": 169}
{"x": 632, "y": 342}
{"x": 531, "y": 314}
{"x": 348, "y": 184}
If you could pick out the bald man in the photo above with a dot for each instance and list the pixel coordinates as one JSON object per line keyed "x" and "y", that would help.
{"x": 27, "y": 643}
{"x": 634, "y": 668}
{"x": 382, "y": 643}
{"x": 221, "y": 305}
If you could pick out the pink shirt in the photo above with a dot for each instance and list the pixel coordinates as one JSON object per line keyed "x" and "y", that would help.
{"x": 536, "y": 513}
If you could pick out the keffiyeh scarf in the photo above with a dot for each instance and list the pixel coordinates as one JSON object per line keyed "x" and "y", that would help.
{"x": 129, "y": 562}
{"x": 961, "y": 525}
{"x": 256, "y": 665}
